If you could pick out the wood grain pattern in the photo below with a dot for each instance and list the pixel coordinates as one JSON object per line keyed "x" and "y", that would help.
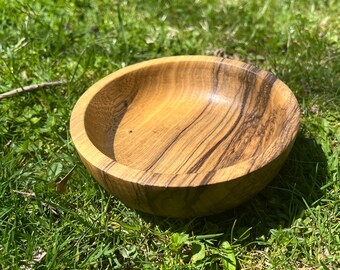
{"x": 187, "y": 135}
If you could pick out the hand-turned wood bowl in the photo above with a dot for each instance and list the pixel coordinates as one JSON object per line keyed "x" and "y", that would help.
{"x": 185, "y": 136}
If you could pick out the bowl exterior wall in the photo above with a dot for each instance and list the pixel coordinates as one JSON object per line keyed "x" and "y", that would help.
{"x": 184, "y": 202}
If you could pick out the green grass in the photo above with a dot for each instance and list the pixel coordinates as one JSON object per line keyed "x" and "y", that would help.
{"x": 293, "y": 224}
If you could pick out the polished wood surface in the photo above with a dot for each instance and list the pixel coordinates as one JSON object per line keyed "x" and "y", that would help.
{"x": 187, "y": 135}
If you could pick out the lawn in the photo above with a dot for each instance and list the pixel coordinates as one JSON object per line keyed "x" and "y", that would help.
{"x": 292, "y": 224}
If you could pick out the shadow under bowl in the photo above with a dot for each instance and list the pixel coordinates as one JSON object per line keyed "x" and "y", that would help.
{"x": 185, "y": 136}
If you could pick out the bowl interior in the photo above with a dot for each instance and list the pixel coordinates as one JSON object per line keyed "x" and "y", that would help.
{"x": 187, "y": 117}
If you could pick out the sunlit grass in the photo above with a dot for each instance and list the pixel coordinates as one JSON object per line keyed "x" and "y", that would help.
{"x": 292, "y": 224}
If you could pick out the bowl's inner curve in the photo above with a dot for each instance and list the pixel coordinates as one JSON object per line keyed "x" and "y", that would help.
{"x": 185, "y": 117}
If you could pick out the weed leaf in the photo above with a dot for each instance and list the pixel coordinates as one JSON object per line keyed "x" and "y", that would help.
{"x": 55, "y": 169}
{"x": 228, "y": 258}
{"x": 178, "y": 240}
{"x": 198, "y": 251}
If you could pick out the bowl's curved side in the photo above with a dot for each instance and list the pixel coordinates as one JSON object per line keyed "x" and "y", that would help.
{"x": 183, "y": 202}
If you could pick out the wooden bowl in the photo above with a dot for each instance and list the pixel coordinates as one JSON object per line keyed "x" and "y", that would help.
{"x": 185, "y": 136}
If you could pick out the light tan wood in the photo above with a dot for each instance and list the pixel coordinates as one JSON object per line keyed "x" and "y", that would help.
{"x": 185, "y": 136}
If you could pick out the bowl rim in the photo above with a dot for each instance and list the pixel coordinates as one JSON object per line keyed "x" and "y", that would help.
{"x": 148, "y": 178}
